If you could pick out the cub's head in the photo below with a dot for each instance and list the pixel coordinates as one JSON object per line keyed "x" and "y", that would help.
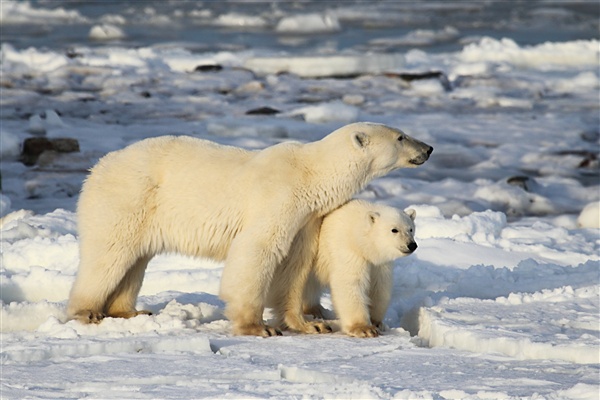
{"x": 391, "y": 233}
{"x": 387, "y": 148}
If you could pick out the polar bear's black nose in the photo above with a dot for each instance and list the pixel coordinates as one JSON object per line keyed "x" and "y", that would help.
{"x": 412, "y": 246}
{"x": 430, "y": 151}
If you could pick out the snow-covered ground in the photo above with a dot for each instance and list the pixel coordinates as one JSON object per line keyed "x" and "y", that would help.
{"x": 501, "y": 299}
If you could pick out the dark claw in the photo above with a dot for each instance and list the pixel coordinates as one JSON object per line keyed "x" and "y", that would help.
{"x": 277, "y": 332}
{"x": 329, "y": 329}
{"x": 95, "y": 318}
{"x": 317, "y": 328}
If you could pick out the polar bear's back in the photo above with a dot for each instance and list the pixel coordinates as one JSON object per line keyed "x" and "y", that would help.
{"x": 173, "y": 162}
{"x": 168, "y": 181}
{"x": 157, "y": 157}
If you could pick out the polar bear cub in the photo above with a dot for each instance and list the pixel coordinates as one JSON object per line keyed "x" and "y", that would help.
{"x": 357, "y": 244}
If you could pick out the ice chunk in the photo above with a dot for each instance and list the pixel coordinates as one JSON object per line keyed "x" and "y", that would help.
{"x": 106, "y": 32}
{"x": 308, "y": 23}
{"x": 326, "y": 66}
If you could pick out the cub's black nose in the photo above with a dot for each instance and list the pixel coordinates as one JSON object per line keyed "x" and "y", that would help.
{"x": 430, "y": 151}
{"x": 412, "y": 246}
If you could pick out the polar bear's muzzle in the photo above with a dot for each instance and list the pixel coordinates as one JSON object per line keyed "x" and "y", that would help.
{"x": 410, "y": 248}
{"x": 422, "y": 157}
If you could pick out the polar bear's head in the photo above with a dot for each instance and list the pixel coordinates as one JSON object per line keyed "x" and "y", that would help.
{"x": 391, "y": 234}
{"x": 387, "y": 148}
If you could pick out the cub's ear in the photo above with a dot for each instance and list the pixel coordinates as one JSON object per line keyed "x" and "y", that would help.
{"x": 373, "y": 215}
{"x": 360, "y": 139}
{"x": 411, "y": 213}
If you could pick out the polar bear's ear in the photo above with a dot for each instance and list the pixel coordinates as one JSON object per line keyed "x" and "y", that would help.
{"x": 411, "y": 213}
{"x": 372, "y": 215}
{"x": 360, "y": 139}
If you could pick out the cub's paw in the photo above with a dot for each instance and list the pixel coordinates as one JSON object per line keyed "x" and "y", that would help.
{"x": 309, "y": 327}
{"x": 362, "y": 331}
{"x": 88, "y": 317}
{"x": 128, "y": 314}
{"x": 317, "y": 327}
{"x": 256, "y": 330}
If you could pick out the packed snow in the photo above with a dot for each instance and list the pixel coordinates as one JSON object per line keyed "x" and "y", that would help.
{"x": 501, "y": 299}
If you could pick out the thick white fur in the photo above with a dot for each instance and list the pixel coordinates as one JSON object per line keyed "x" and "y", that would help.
{"x": 356, "y": 247}
{"x": 196, "y": 197}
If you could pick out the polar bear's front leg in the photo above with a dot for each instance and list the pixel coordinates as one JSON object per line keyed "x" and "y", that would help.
{"x": 106, "y": 287}
{"x": 247, "y": 275}
{"x": 349, "y": 292}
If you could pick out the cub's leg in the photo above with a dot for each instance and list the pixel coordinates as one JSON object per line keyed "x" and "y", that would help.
{"x": 293, "y": 275}
{"x": 349, "y": 292}
{"x": 312, "y": 298}
{"x": 121, "y": 303}
{"x": 380, "y": 293}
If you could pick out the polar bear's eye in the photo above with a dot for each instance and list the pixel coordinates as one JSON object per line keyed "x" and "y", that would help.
{"x": 394, "y": 230}
{"x": 400, "y": 138}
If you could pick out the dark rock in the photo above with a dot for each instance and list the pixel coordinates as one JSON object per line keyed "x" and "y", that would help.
{"x": 65, "y": 145}
{"x": 591, "y": 135}
{"x": 33, "y": 147}
{"x": 262, "y": 111}
{"x": 73, "y": 53}
{"x": 415, "y": 76}
{"x": 519, "y": 181}
{"x": 589, "y": 159}
{"x": 208, "y": 68}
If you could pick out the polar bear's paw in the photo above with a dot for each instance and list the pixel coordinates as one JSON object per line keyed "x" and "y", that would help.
{"x": 88, "y": 317}
{"x": 256, "y": 330}
{"x": 363, "y": 331}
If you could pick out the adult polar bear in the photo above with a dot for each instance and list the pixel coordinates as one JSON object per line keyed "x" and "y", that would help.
{"x": 196, "y": 197}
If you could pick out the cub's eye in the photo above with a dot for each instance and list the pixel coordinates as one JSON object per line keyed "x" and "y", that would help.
{"x": 394, "y": 230}
{"x": 400, "y": 138}
{"x": 410, "y": 231}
